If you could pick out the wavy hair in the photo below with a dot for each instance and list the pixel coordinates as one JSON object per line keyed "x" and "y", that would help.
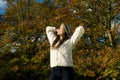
{"x": 61, "y": 41}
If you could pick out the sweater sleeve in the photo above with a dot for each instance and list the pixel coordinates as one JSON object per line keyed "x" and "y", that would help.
{"x": 50, "y": 31}
{"x": 79, "y": 31}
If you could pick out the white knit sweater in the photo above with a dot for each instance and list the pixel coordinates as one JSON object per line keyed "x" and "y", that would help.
{"x": 62, "y": 56}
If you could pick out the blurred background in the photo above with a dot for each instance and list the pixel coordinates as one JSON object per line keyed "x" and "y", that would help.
{"x": 24, "y": 49}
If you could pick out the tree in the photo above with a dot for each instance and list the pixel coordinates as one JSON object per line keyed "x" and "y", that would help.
{"x": 25, "y": 50}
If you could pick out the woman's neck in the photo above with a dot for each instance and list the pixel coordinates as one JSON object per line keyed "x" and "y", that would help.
{"x": 61, "y": 37}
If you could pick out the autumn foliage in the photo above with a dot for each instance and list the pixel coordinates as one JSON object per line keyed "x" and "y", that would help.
{"x": 24, "y": 48}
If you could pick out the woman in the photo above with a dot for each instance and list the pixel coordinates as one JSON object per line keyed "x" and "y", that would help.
{"x": 61, "y": 46}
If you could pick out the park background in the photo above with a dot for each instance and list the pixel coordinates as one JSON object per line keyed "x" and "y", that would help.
{"x": 24, "y": 49}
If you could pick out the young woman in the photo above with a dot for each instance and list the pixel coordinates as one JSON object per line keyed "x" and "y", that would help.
{"x": 61, "y": 46}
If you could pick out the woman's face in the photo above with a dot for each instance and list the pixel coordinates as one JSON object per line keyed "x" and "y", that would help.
{"x": 60, "y": 30}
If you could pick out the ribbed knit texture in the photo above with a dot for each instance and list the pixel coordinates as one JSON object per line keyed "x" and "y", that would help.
{"x": 62, "y": 56}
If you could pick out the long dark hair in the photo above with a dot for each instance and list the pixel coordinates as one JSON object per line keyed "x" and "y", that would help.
{"x": 61, "y": 41}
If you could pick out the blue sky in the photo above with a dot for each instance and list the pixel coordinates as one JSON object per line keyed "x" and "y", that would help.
{"x": 40, "y": 0}
{"x": 3, "y": 5}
